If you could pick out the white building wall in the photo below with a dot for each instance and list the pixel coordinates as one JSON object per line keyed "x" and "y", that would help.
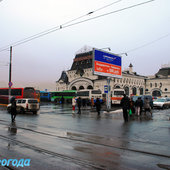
{"x": 160, "y": 84}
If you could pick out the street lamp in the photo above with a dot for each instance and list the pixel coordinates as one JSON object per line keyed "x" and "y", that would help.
{"x": 10, "y": 68}
{"x": 106, "y": 48}
{"x": 108, "y": 96}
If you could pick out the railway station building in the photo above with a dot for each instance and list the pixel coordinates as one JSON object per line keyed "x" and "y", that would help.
{"x": 80, "y": 76}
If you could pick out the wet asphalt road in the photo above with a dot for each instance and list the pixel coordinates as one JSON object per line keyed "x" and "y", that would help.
{"x": 56, "y": 138}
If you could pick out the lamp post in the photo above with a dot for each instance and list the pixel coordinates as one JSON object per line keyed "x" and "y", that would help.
{"x": 108, "y": 104}
{"x": 106, "y": 48}
{"x": 10, "y": 68}
{"x": 108, "y": 95}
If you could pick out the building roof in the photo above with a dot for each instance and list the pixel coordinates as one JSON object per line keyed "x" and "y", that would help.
{"x": 63, "y": 77}
{"x": 163, "y": 72}
{"x": 82, "y": 61}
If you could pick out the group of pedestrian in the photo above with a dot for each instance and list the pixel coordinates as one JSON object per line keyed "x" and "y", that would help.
{"x": 130, "y": 107}
{"x": 79, "y": 102}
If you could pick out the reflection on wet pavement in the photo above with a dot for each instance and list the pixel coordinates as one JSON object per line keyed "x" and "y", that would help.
{"x": 104, "y": 142}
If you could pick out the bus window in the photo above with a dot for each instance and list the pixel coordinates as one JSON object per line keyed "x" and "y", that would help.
{"x": 67, "y": 95}
{"x": 29, "y": 92}
{"x": 117, "y": 95}
{"x": 4, "y": 94}
{"x": 83, "y": 94}
{"x": 88, "y": 94}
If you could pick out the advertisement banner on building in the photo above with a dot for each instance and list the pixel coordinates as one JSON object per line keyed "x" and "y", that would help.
{"x": 107, "y": 64}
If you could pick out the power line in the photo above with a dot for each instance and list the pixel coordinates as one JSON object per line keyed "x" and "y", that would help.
{"x": 76, "y": 23}
{"x": 54, "y": 28}
{"x": 149, "y": 43}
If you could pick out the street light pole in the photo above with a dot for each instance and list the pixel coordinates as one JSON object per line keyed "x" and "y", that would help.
{"x": 108, "y": 95}
{"x": 106, "y": 48}
{"x": 10, "y": 68}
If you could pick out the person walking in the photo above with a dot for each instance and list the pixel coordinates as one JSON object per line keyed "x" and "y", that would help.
{"x": 73, "y": 104}
{"x": 62, "y": 100}
{"x": 98, "y": 106}
{"x": 125, "y": 106}
{"x": 92, "y": 102}
{"x": 79, "y": 102}
{"x": 138, "y": 106}
{"x": 147, "y": 106}
{"x": 13, "y": 109}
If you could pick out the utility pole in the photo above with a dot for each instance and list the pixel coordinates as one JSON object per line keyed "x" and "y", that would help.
{"x": 10, "y": 68}
{"x": 108, "y": 95}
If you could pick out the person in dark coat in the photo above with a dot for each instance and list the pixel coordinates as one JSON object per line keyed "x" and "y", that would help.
{"x": 13, "y": 109}
{"x": 79, "y": 102}
{"x": 62, "y": 100}
{"x": 98, "y": 106}
{"x": 125, "y": 106}
{"x": 138, "y": 106}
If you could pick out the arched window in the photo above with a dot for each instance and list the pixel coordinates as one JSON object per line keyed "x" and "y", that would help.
{"x": 73, "y": 88}
{"x": 81, "y": 88}
{"x": 151, "y": 85}
{"x": 156, "y": 93}
{"x": 127, "y": 90}
{"x": 89, "y": 87}
{"x": 134, "y": 90}
{"x": 141, "y": 91}
{"x": 160, "y": 85}
{"x": 117, "y": 87}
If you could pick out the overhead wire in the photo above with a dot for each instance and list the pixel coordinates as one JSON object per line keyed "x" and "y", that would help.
{"x": 55, "y": 28}
{"x": 76, "y": 23}
{"x": 149, "y": 43}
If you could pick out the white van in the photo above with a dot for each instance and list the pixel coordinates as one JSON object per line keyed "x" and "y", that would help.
{"x": 26, "y": 105}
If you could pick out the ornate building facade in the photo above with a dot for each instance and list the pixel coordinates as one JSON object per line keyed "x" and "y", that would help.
{"x": 80, "y": 76}
{"x": 159, "y": 84}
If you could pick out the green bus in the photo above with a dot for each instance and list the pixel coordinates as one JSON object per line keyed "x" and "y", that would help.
{"x": 64, "y": 96}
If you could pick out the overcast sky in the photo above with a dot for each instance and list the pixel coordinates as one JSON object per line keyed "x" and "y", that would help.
{"x": 143, "y": 32}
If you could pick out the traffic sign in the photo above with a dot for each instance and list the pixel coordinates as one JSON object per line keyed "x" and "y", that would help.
{"x": 105, "y": 89}
{"x": 10, "y": 84}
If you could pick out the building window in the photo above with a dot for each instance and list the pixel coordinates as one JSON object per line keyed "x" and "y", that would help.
{"x": 155, "y": 84}
{"x": 141, "y": 91}
{"x": 150, "y": 85}
{"x": 160, "y": 85}
{"x": 156, "y": 93}
{"x": 127, "y": 91}
{"x": 117, "y": 87}
{"x": 81, "y": 87}
{"x": 73, "y": 88}
{"x": 166, "y": 89}
{"x": 89, "y": 87}
{"x": 134, "y": 90}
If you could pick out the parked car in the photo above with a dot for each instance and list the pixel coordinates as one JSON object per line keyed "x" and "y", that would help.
{"x": 25, "y": 105}
{"x": 162, "y": 103}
